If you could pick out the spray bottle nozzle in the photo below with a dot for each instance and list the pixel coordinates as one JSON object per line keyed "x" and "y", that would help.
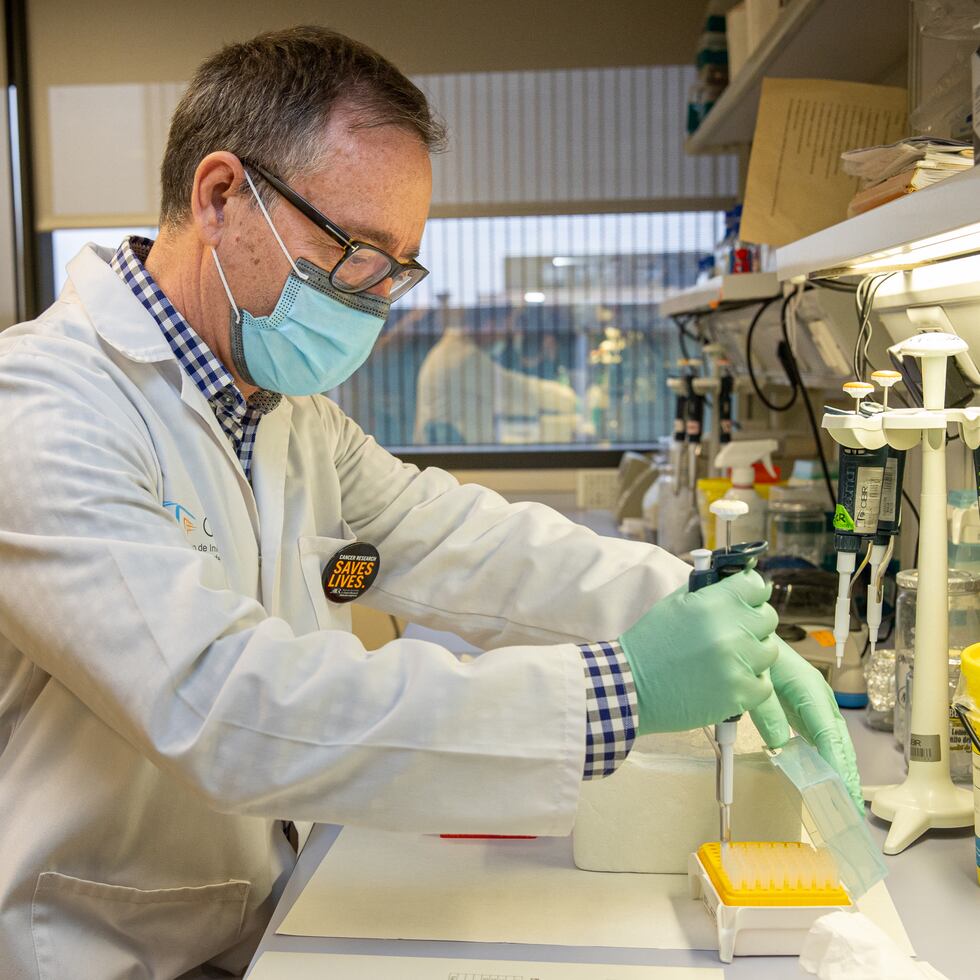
{"x": 741, "y": 458}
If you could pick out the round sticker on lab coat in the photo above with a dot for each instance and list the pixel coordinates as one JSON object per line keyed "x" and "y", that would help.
{"x": 350, "y": 572}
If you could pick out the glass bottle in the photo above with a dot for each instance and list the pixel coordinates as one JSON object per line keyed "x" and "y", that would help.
{"x": 964, "y": 629}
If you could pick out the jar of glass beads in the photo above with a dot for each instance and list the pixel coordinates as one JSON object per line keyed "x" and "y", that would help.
{"x": 879, "y": 673}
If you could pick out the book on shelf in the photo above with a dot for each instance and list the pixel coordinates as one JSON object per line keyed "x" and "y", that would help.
{"x": 914, "y": 179}
{"x": 873, "y": 164}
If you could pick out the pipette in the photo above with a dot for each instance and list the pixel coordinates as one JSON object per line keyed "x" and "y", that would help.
{"x": 693, "y": 422}
{"x": 889, "y": 519}
{"x": 679, "y": 387}
{"x": 726, "y": 731}
{"x": 859, "y": 480}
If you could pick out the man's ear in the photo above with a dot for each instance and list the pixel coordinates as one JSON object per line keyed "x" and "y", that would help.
{"x": 217, "y": 181}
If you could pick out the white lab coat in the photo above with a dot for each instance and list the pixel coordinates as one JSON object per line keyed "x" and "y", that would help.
{"x": 173, "y": 681}
{"x": 462, "y": 389}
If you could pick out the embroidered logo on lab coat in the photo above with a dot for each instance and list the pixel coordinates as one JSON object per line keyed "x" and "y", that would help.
{"x": 198, "y": 532}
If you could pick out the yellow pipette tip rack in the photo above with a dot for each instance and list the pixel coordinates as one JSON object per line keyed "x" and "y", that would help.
{"x": 763, "y": 897}
{"x": 772, "y": 873}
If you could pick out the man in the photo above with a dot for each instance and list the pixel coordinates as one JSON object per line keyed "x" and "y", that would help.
{"x": 178, "y": 682}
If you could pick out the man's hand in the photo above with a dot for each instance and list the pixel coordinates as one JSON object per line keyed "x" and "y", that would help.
{"x": 701, "y": 657}
{"x": 802, "y": 696}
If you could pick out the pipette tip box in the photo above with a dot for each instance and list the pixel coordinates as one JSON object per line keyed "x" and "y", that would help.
{"x": 769, "y": 911}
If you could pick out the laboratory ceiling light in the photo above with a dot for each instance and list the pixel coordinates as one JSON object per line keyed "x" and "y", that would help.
{"x": 534, "y": 297}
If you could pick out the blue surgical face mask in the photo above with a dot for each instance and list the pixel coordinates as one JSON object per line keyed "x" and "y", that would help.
{"x": 315, "y": 338}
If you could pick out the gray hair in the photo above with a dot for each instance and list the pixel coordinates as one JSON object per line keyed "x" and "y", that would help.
{"x": 269, "y": 99}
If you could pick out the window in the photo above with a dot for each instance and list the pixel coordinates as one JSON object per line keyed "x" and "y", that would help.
{"x": 533, "y": 332}
{"x": 563, "y": 212}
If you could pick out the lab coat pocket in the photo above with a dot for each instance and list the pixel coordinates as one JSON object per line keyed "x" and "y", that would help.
{"x": 314, "y": 553}
{"x": 87, "y": 930}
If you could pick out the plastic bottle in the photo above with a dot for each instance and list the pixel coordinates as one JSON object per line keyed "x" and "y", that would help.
{"x": 968, "y": 699}
{"x": 742, "y": 457}
{"x": 672, "y": 506}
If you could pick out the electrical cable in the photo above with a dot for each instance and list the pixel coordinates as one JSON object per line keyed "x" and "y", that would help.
{"x": 807, "y": 404}
{"x": 748, "y": 360}
{"x": 681, "y": 323}
{"x": 915, "y": 514}
{"x": 864, "y": 298}
{"x": 833, "y": 284}
{"x": 680, "y": 339}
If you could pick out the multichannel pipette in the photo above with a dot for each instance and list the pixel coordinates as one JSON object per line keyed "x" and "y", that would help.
{"x": 710, "y": 567}
{"x": 859, "y": 483}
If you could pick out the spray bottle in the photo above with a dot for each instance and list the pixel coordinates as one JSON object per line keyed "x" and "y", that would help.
{"x": 742, "y": 457}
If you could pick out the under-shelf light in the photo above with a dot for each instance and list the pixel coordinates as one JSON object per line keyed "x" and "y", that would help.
{"x": 925, "y": 251}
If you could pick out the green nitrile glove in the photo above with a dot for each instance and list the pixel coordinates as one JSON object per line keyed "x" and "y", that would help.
{"x": 698, "y": 658}
{"x": 801, "y": 695}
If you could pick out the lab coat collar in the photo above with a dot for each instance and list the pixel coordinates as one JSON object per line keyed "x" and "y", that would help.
{"x": 122, "y": 321}
{"x": 119, "y": 318}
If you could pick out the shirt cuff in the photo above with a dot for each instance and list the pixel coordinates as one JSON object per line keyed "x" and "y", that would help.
{"x": 610, "y": 707}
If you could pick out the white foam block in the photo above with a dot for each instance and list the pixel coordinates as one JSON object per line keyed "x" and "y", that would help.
{"x": 660, "y": 806}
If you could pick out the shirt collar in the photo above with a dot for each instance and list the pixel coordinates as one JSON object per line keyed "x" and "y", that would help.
{"x": 197, "y": 360}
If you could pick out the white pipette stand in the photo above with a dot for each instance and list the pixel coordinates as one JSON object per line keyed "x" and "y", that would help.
{"x": 928, "y": 797}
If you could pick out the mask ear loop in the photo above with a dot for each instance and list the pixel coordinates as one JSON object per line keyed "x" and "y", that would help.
{"x": 224, "y": 282}
{"x": 289, "y": 258}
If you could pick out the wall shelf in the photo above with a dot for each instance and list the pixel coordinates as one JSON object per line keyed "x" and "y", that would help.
{"x": 834, "y": 39}
{"x": 948, "y": 212}
{"x": 708, "y": 296}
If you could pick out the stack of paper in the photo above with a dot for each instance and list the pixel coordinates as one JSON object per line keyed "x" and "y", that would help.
{"x": 376, "y": 884}
{"x": 889, "y": 172}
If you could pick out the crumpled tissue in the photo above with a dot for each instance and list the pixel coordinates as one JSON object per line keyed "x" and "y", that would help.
{"x": 844, "y": 945}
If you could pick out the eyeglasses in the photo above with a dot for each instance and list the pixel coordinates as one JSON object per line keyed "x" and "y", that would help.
{"x": 361, "y": 266}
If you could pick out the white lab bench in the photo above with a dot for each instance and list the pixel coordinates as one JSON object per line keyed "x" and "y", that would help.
{"x": 933, "y": 884}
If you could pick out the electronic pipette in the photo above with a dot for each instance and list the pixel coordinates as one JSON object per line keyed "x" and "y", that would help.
{"x": 710, "y": 567}
{"x": 889, "y": 518}
{"x": 859, "y": 482}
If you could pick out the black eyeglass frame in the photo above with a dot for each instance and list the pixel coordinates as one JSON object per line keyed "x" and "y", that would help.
{"x": 350, "y": 245}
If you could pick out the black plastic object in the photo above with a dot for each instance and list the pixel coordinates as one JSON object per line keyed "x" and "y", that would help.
{"x": 694, "y": 421}
{"x": 725, "y": 563}
{"x": 860, "y": 475}
{"x": 725, "y": 390}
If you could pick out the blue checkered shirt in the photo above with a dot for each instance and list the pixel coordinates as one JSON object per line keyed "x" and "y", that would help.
{"x": 239, "y": 419}
{"x": 611, "y": 707}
